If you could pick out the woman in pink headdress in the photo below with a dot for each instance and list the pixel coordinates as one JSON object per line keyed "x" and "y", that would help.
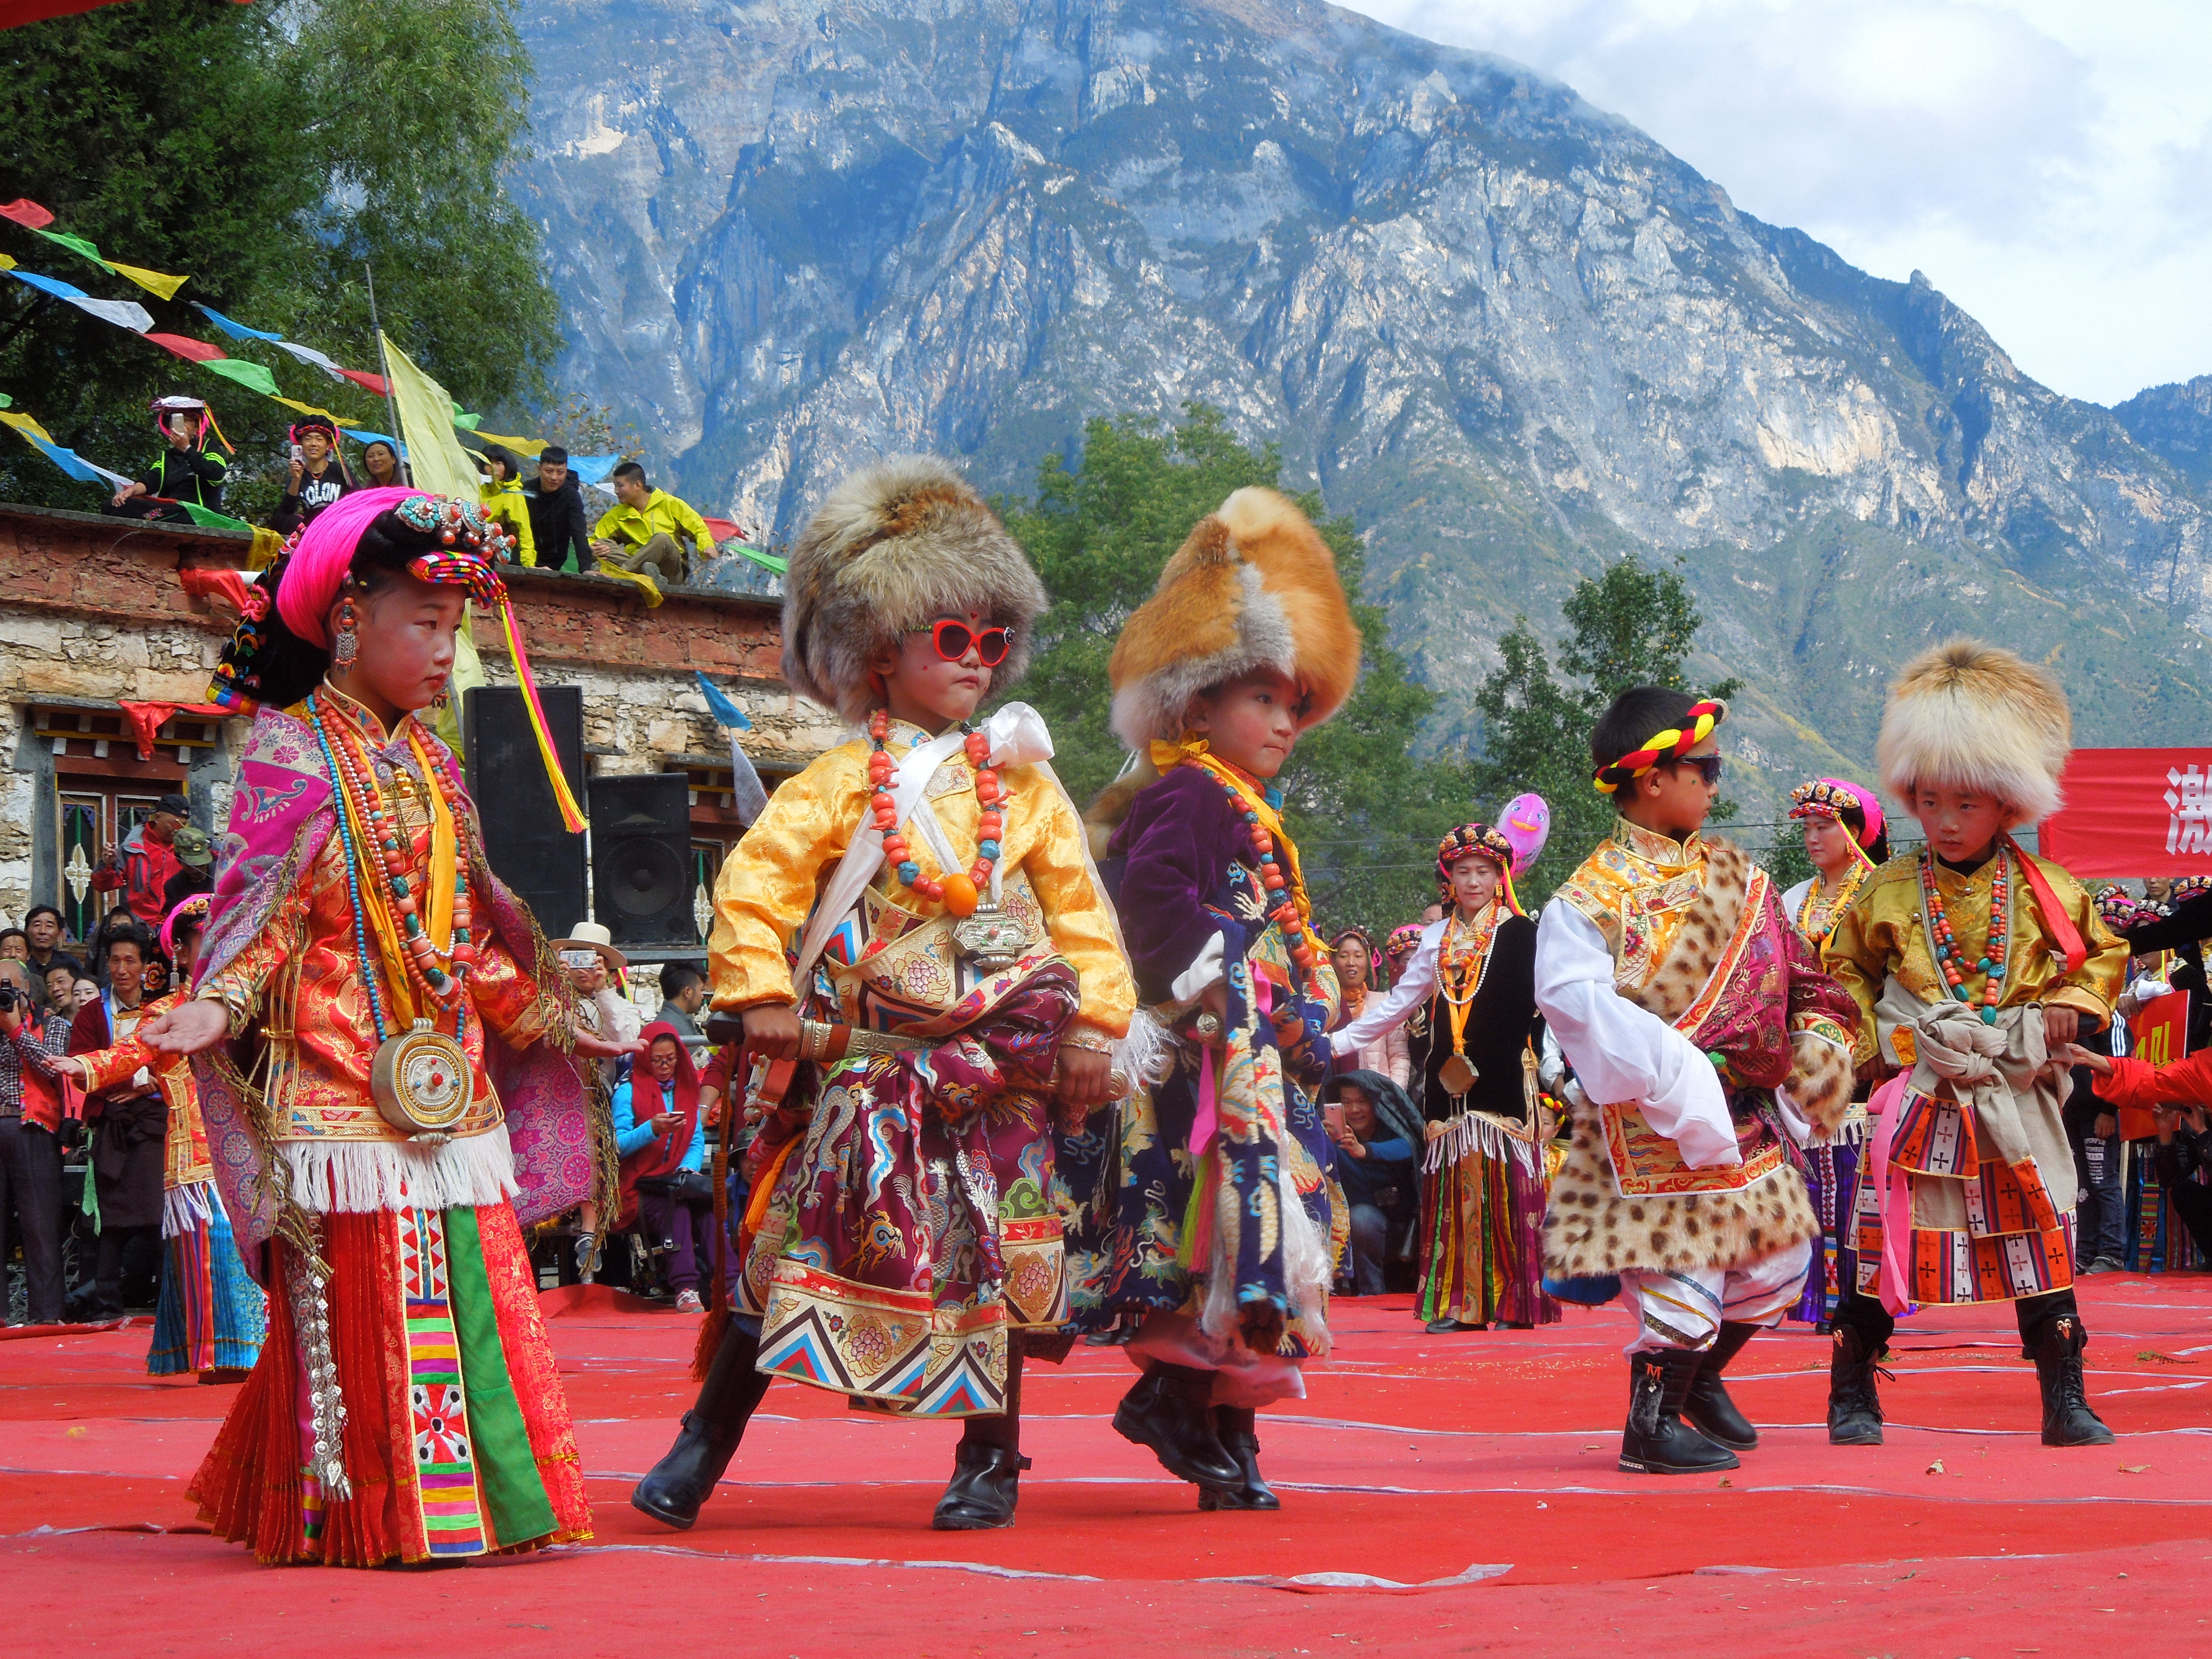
{"x": 1847, "y": 841}
{"x": 409, "y": 1107}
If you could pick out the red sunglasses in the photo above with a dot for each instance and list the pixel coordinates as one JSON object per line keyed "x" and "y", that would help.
{"x": 954, "y": 639}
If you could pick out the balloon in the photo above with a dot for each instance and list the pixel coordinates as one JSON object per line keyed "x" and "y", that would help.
{"x": 1526, "y": 824}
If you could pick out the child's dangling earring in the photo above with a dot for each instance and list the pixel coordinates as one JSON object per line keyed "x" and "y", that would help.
{"x": 345, "y": 645}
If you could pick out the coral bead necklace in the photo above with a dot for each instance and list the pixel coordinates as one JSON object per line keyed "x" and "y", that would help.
{"x": 1950, "y": 960}
{"x": 439, "y": 973}
{"x": 959, "y": 892}
{"x": 1281, "y": 903}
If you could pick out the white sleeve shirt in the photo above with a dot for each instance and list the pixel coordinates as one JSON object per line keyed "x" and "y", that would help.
{"x": 1622, "y": 1054}
{"x": 1414, "y": 986}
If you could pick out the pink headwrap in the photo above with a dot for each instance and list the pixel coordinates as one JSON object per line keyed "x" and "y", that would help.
{"x": 1824, "y": 797}
{"x": 322, "y": 558}
{"x": 196, "y": 906}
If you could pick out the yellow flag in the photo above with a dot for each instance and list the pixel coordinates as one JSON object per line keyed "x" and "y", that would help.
{"x": 309, "y": 409}
{"x": 436, "y": 460}
{"x": 6, "y": 263}
{"x": 520, "y": 445}
{"x": 152, "y": 281}
{"x": 25, "y": 423}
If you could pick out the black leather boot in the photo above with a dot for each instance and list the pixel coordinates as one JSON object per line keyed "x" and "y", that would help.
{"x": 1656, "y": 1441}
{"x": 681, "y": 1480}
{"x": 1170, "y": 1411}
{"x": 986, "y": 1485}
{"x": 1854, "y": 1401}
{"x": 1238, "y": 1427}
{"x": 2067, "y": 1419}
{"x": 1709, "y": 1410}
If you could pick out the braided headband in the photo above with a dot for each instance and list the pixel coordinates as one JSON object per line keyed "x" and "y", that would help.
{"x": 1402, "y": 939}
{"x": 1668, "y": 746}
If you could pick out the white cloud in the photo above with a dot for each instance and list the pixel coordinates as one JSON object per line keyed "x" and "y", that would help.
{"x": 2047, "y": 162}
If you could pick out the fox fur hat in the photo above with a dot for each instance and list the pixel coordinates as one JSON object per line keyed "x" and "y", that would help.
{"x": 894, "y": 546}
{"x": 1975, "y": 716}
{"x": 1253, "y": 586}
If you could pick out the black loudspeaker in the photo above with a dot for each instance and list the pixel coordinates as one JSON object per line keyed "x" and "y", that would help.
{"x": 641, "y": 860}
{"x": 530, "y": 850}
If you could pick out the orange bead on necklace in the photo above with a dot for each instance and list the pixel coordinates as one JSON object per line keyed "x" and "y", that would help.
{"x": 959, "y": 892}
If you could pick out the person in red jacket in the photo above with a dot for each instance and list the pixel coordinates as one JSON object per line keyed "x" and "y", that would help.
{"x": 142, "y": 866}
{"x": 2128, "y": 1082}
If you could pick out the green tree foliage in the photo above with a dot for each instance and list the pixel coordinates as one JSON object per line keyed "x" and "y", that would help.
{"x": 1633, "y": 625}
{"x": 1366, "y": 812}
{"x": 265, "y": 151}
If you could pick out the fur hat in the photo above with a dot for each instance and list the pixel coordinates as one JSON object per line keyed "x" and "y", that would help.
{"x": 1970, "y": 715}
{"x": 896, "y": 545}
{"x": 1254, "y": 586}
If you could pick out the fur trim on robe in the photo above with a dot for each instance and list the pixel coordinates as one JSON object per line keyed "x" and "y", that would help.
{"x": 1591, "y": 1229}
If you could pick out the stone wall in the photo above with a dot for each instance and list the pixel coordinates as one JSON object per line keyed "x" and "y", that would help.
{"x": 92, "y": 612}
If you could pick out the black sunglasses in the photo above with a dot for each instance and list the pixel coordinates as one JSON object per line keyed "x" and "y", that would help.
{"x": 1708, "y": 767}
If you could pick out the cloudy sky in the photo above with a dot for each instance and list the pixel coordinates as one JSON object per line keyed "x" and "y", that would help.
{"x": 2047, "y": 162}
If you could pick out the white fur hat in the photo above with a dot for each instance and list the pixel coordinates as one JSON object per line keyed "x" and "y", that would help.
{"x": 1967, "y": 716}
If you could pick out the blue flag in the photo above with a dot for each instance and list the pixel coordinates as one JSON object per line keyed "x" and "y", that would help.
{"x": 725, "y": 711}
{"x": 236, "y": 331}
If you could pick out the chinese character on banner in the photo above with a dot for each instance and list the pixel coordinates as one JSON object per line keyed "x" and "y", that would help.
{"x": 2187, "y": 811}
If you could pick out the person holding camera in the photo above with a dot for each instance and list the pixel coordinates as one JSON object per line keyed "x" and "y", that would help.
{"x": 662, "y": 1134}
{"x": 30, "y": 1138}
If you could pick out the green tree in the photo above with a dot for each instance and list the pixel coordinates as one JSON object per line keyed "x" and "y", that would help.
{"x": 265, "y": 152}
{"x": 1632, "y": 625}
{"x": 1366, "y": 812}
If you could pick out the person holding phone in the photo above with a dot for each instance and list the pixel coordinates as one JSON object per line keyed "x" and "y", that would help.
{"x": 186, "y": 469}
{"x": 1379, "y": 1135}
{"x": 317, "y": 478}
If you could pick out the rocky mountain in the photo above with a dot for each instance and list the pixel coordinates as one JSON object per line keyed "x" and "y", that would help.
{"x": 2175, "y": 422}
{"x": 1507, "y": 333}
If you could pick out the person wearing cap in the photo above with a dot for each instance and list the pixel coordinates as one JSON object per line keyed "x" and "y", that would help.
{"x": 186, "y": 469}
{"x": 142, "y": 866}
{"x": 195, "y": 874}
{"x": 317, "y": 477}
{"x": 557, "y": 513}
{"x": 594, "y": 967}
{"x": 502, "y": 498}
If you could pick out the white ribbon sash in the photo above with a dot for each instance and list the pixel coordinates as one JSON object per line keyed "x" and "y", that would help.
{"x": 1017, "y": 737}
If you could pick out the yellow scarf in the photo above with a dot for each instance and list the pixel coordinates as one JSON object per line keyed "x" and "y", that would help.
{"x": 1192, "y": 751}
{"x": 375, "y": 888}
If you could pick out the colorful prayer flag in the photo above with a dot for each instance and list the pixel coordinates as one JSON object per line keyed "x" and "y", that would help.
{"x": 236, "y": 331}
{"x": 123, "y": 314}
{"x": 439, "y": 463}
{"x": 27, "y": 213}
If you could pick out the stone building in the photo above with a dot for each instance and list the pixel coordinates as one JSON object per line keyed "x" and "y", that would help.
{"x": 95, "y": 620}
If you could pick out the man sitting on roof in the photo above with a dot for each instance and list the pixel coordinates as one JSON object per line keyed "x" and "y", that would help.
{"x": 187, "y": 471}
{"x": 646, "y": 529}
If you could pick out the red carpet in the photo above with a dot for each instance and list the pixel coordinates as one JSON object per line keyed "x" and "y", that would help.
{"x": 1441, "y": 1494}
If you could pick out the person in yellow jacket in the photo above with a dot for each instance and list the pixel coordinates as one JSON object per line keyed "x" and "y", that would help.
{"x": 646, "y": 528}
{"x": 501, "y": 497}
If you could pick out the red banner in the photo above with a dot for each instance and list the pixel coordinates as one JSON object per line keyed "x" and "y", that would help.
{"x": 2134, "y": 812}
{"x": 2160, "y": 1036}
